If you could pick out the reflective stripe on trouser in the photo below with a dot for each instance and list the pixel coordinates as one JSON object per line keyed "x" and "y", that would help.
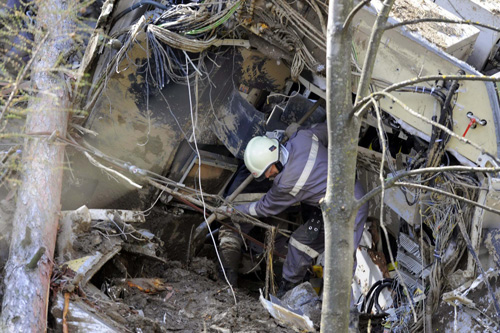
{"x": 300, "y": 256}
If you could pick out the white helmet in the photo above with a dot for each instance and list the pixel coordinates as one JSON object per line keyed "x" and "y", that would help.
{"x": 260, "y": 154}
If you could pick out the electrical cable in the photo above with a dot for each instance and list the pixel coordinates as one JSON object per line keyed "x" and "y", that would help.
{"x": 201, "y": 190}
{"x": 439, "y": 95}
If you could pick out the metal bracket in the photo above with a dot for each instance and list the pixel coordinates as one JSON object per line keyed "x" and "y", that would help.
{"x": 477, "y": 120}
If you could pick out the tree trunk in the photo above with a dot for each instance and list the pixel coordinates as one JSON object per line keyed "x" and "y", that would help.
{"x": 29, "y": 267}
{"x": 338, "y": 205}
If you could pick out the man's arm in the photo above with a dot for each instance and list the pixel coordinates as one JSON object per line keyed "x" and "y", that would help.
{"x": 272, "y": 203}
{"x": 321, "y": 131}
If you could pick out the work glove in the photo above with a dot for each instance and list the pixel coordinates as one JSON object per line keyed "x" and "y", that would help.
{"x": 276, "y": 134}
{"x": 224, "y": 209}
{"x": 291, "y": 129}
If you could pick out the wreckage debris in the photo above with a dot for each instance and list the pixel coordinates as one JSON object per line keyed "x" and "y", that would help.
{"x": 292, "y": 318}
{"x": 110, "y": 268}
{"x": 89, "y": 294}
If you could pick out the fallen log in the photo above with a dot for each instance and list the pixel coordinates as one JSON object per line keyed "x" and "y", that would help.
{"x": 24, "y": 307}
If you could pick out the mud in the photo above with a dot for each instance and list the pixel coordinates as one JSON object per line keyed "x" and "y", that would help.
{"x": 142, "y": 293}
{"x": 194, "y": 301}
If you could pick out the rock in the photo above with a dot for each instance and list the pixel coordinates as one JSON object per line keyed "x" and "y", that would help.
{"x": 304, "y": 299}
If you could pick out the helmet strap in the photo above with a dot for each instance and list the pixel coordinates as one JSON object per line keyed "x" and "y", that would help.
{"x": 279, "y": 166}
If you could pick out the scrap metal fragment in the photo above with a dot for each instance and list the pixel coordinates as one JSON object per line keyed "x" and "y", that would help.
{"x": 89, "y": 265}
{"x": 460, "y": 294}
{"x": 128, "y": 216}
{"x": 148, "y": 250}
{"x": 83, "y": 318}
{"x": 71, "y": 224}
{"x": 492, "y": 243}
{"x": 304, "y": 300}
{"x": 78, "y": 222}
{"x": 286, "y": 316}
{"x": 366, "y": 274}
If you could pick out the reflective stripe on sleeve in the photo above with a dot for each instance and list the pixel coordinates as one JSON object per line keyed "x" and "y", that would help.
{"x": 311, "y": 159}
{"x": 251, "y": 209}
{"x": 304, "y": 248}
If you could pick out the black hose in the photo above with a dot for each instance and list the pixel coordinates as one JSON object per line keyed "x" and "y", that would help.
{"x": 440, "y": 138}
{"x": 372, "y": 289}
{"x": 439, "y": 95}
{"x": 377, "y": 293}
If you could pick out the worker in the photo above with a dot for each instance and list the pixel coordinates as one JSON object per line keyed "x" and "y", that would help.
{"x": 299, "y": 169}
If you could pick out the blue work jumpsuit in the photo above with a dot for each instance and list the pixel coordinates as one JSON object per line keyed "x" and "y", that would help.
{"x": 303, "y": 179}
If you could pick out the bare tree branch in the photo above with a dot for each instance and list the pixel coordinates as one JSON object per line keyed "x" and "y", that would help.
{"x": 451, "y": 195}
{"x": 389, "y": 183}
{"x": 442, "y": 20}
{"x": 361, "y": 103}
{"x": 443, "y": 128}
{"x": 373, "y": 45}
{"x": 354, "y": 11}
{"x": 21, "y": 76}
{"x": 381, "y": 216}
{"x": 240, "y": 217}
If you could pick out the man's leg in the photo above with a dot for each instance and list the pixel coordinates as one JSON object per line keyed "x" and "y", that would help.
{"x": 230, "y": 243}
{"x": 303, "y": 249}
{"x": 305, "y": 244}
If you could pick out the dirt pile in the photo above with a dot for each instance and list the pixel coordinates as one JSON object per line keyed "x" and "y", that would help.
{"x": 196, "y": 303}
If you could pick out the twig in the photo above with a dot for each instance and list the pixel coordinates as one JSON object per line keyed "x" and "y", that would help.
{"x": 65, "y": 313}
{"x": 451, "y": 195}
{"x": 269, "y": 286}
{"x": 353, "y": 12}
{"x": 391, "y": 181}
{"x": 441, "y": 20}
{"x": 381, "y": 218}
{"x": 83, "y": 130}
{"x": 241, "y": 218}
{"x": 34, "y": 260}
{"x": 21, "y": 76}
{"x": 99, "y": 165}
{"x": 373, "y": 46}
{"x": 361, "y": 103}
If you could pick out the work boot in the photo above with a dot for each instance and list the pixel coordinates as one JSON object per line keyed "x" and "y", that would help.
{"x": 230, "y": 254}
{"x": 230, "y": 263}
{"x": 285, "y": 286}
